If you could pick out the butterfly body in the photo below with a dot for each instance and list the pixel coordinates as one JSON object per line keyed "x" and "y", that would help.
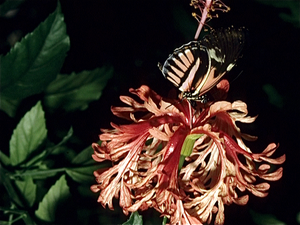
{"x": 198, "y": 66}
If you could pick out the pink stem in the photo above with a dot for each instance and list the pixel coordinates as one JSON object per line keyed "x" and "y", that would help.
{"x": 203, "y": 18}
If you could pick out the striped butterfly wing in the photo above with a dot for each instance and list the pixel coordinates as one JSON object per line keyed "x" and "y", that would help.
{"x": 198, "y": 66}
{"x": 186, "y": 66}
{"x": 224, "y": 48}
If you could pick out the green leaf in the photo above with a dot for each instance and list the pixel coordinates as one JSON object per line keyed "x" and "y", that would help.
{"x": 274, "y": 97}
{"x": 82, "y": 174}
{"x": 298, "y": 217}
{"x": 41, "y": 173}
{"x": 76, "y": 91}
{"x": 61, "y": 149}
{"x": 28, "y": 190}
{"x": 35, "y": 160}
{"x": 9, "y": 187}
{"x": 4, "y": 159}
{"x": 56, "y": 194}
{"x": 265, "y": 219}
{"x": 35, "y": 61}
{"x": 8, "y": 105}
{"x": 28, "y": 135}
{"x": 135, "y": 219}
{"x": 84, "y": 157}
{"x": 289, "y": 10}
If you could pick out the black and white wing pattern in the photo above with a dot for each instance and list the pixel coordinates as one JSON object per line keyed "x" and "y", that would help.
{"x": 198, "y": 66}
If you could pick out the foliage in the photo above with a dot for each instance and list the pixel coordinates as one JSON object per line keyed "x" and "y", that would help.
{"x": 35, "y": 184}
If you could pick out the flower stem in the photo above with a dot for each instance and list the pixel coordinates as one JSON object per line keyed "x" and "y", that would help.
{"x": 203, "y": 18}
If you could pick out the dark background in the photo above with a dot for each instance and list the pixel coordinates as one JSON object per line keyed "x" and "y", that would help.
{"x": 132, "y": 36}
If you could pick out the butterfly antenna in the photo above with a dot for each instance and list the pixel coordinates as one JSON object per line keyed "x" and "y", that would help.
{"x": 236, "y": 77}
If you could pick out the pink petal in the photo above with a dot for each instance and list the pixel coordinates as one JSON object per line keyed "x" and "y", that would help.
{"x": 273, "y": 176}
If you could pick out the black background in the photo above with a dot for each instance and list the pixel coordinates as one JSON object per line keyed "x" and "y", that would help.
{"x": 132, "y": 36}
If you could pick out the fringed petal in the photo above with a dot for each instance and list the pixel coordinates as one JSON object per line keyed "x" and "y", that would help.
{"x": 146, "y": 154}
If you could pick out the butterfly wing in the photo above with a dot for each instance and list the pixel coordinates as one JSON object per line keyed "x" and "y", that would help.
{"x": 187, "y": 64}
{"x": 198, "y": 66}
{"x": 224, "y": 47}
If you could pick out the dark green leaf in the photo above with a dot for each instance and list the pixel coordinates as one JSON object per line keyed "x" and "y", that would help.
{"x": 84, "y": 157}
{"x": 289, "y": 10}
{"x": 41, "y": 173}
{"x": 82, "y": 174}
{"x": 9, "y": 187}
{"x": 17, "y": 214}
{"x": 9, "y": 105}
{"x": 28, "y": 135}
{"x": 274, "y": 97}
{"x": 35, "y": 160}
{"x": 4, "y": 159}
{"x": 298, "y": 217}
{"x": 35, "y": 61}
{"x": 28, "y": 190}
{"x": 61, "y": 149}
{"x": 57, "y": 193}
{"x": 265, "y": 219}
{"x": 76, "y": 91}
{"x": 135, "y": 219}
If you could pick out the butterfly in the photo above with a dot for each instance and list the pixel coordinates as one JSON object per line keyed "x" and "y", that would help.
{"x": 196, "y": 67}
